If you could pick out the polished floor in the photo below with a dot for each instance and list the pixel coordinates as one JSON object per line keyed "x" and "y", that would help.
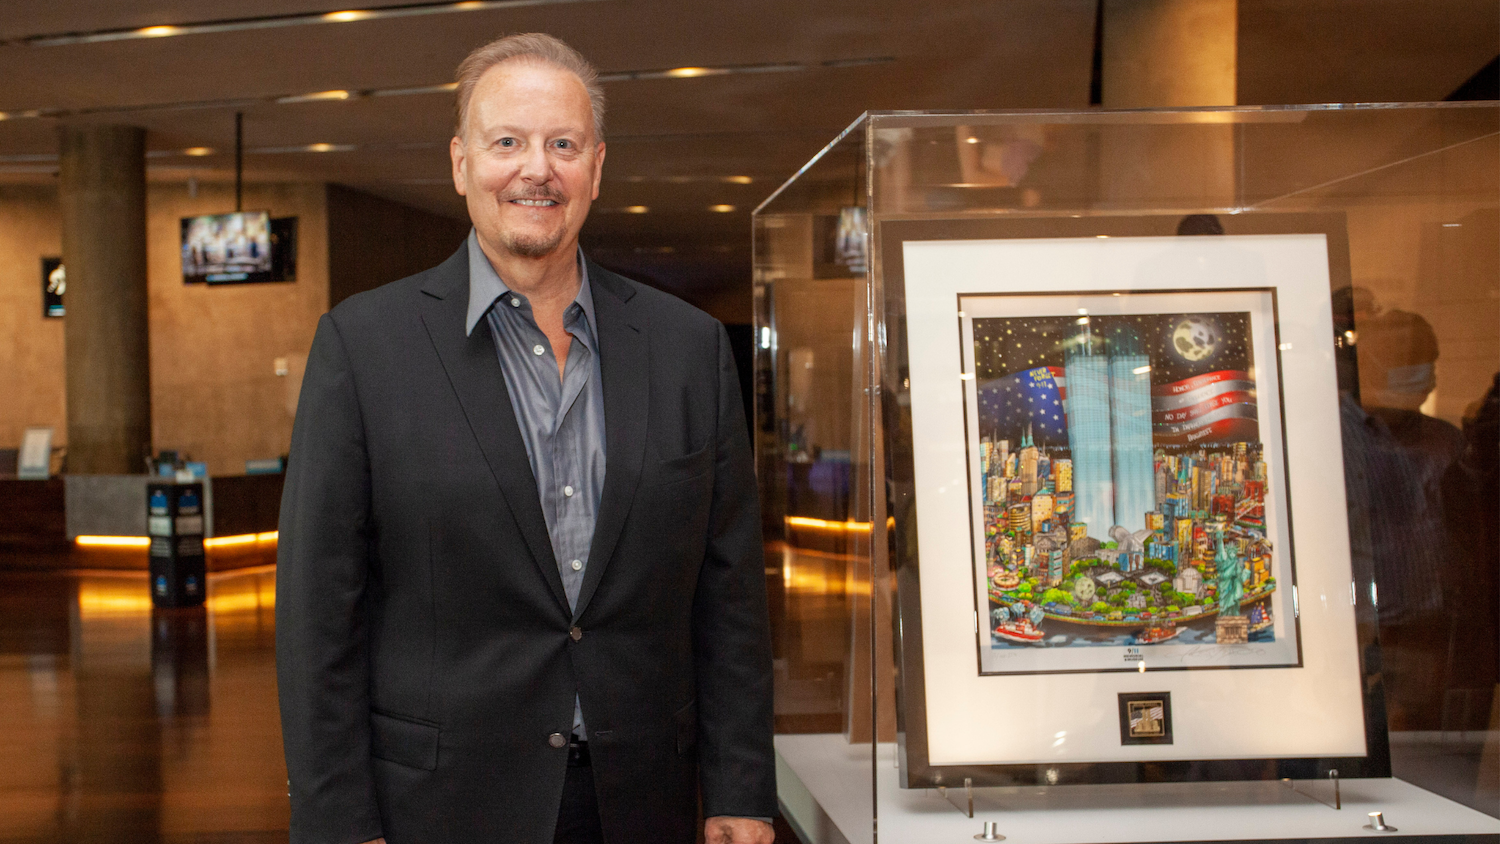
{"x": 124, "y": 723}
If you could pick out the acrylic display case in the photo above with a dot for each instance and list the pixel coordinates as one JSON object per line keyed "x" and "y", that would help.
{"x": 1139, "y": 461}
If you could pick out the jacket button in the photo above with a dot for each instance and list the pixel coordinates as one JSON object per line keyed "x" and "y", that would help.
{"x": 557, "y": 740}
{"x": 575, "y": 634}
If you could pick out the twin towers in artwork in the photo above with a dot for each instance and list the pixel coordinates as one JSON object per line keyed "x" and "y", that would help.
{"x": 1108, "y": 411}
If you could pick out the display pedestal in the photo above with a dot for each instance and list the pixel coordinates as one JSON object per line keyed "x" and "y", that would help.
{"x": 824, "y": 787}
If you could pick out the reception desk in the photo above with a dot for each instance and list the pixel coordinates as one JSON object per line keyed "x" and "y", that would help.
{"x": 99, "y": 521}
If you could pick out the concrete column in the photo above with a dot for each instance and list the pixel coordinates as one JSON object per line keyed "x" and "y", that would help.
{"x": 103, "y": 201}
{"x": 1161, "y": 54}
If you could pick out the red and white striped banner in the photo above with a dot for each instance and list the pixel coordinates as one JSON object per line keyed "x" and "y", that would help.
{"x": 1213, "y": 407}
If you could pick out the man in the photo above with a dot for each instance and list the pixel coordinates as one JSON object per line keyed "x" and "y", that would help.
{"x": 520, "y": 594}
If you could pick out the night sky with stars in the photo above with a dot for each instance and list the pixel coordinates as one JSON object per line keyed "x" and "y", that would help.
{"x": 1179, "y": 346}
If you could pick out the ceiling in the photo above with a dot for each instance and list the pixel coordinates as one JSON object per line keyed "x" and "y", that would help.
{"x": 798, "y": 72}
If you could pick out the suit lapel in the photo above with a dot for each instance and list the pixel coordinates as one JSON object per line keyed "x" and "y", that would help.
{"x": 625, "y": 364}
{"x": 474, "y": 371}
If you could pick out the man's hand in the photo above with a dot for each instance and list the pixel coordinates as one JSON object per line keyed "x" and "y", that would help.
{"x": 724, "y": 830}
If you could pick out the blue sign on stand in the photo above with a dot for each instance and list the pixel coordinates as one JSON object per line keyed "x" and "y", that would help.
{"x": 174, "y": 518}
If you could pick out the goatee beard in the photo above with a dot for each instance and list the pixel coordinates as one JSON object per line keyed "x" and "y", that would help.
{"x": 533, "y": 247}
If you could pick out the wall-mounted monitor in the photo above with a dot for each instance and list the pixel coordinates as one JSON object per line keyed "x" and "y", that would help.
{"x": 236, "y": 248}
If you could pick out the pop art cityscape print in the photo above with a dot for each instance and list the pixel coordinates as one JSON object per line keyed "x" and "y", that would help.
{"x": 1122, "y": 487}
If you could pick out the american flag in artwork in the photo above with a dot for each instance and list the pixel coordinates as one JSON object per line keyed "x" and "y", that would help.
{"x": 1215, "y": 407}
{"x": 1031, "y": 397}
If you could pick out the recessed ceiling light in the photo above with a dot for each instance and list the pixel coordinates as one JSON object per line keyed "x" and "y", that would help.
{"x": 345, "y": 17}
{"x": 197, "y": 152}
{"x": 635, "y": 209}
{"x": 721, "y": 209}
{"x": 157, "y": 31}
{"x": 421, "y": 89}
{"x": 971, "y": 140}
{"x": 316, "y": 96}
{"x": 329, "y": 147}
{"x": 738, "y": 180}
{"x": 695, "y": 71}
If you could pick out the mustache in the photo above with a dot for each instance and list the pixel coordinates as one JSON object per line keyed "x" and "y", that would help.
{"x": 538, "y": 193}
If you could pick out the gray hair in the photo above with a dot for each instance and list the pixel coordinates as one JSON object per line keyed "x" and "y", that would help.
{"x": 529, "y": 46}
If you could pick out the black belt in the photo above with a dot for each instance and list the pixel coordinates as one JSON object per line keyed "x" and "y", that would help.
{"x": 578, "y": 754}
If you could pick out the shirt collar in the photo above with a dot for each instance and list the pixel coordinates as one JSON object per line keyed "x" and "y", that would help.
{"x": 485, "y": 286}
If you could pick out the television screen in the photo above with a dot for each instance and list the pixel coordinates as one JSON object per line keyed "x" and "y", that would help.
{"x": 225, "y": 248}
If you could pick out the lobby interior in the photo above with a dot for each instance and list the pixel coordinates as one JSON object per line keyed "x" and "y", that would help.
{"x": 126, "y": 722}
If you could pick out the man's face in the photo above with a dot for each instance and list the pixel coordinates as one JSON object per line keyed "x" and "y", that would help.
{"x": 527, "y": 160}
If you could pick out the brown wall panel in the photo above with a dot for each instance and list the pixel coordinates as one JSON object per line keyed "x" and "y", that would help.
{"x": 32, "y": 349}
{"x": 215, "y": 393}
{"x": 372, "y": 241}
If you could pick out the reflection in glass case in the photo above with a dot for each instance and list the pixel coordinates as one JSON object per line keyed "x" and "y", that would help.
{"x": 1116, "y": 447}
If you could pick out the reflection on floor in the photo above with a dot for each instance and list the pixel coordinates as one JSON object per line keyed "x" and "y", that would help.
{"x": 125, "y": 723}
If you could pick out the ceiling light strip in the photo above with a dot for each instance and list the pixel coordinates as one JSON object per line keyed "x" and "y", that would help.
{"x": 694, "y": 72}
{"x": 279, "y": 21}
{"x": 341, "y": 95}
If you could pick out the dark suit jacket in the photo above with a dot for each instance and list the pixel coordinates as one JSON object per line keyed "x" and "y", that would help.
{"x": 425, "y": 650}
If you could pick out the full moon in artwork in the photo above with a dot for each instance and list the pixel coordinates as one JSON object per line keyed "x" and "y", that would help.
{"x": 1195, "y": 339}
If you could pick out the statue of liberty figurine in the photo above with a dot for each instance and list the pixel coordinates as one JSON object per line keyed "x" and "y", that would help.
{"x": 1231, "y": 579}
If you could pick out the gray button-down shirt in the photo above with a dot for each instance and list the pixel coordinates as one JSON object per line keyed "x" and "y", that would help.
{"x": 561, "y": 419}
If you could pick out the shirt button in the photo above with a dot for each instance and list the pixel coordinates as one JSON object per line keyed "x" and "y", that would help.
{"x": 537, "y": 350}
{"x": 557, "y": 740}
{"x": 577, "y": 565}
{"x": 575, "y": 634}
{"x": 514, "y": 302}
{"x": 568, "y": 491}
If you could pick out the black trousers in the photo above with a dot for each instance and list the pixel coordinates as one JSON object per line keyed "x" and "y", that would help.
{"x": 578, "y": 814}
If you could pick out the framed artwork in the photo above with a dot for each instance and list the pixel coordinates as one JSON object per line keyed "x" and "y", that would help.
{"x": 54, "y": 285}
{"x": 1119, "y": 531}
{"x": 1126, "y": 507}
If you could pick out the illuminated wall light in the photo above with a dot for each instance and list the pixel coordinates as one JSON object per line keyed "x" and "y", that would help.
{"x": 345, "y": 17}
{"x": 240, "y": 539}
{"x": 825, "y": 524}
{"x": 158, "y": 31}
{"x": 738, "y": 180}
{"x": 971, "y": 140}
{"x": 198, "y": 152}
{"x": 636, "y": 209}
{"x": 229, "y": 541}
{"x": 721, "y": 209}
{"x": 113, "y": 541}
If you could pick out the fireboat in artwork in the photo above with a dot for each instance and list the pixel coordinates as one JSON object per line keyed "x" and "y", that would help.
{"x": 1123, "y": 480}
